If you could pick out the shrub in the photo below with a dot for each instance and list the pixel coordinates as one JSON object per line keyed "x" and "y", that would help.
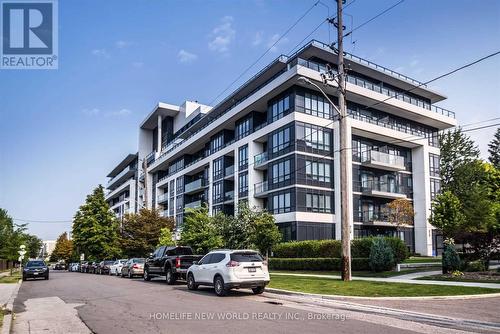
{"x": 399, "y": 249}
{"x": 475, "y": 266}
{"x": 381, "y": 255}
{"x": 450, "y": 259}
{"x": 308, "y": 249}
{"x": 361, "y": 247}
{"x": 333, "y": 264}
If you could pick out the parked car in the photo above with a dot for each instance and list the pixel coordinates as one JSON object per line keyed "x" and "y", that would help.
{"x": 92, "y": 267}
{"x": 116, "y": 267}
{"x": 75, "y": 267}
{"x": 103, "y": 267}
{"x": 59, "y": 266}
{"x": 171, "y": 262}
{"x": 35, "y": 269}
{"x": 133, "y": 267}
{"x": 84, "y": 266}
{"x": 228, "y": 269}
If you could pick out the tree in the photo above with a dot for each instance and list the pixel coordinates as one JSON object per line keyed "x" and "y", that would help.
{"x": 165, "y": 238}
{"x": 456, "y": 149}
{"x": 141, "y": 232}
{"x": 95, "y": 229}
{"x": 235, "y": 231}
{"x": 199, "y": 231}
{"x": 450, "y": 260}
{"x": 381, "y": 255}
{"x": 400, "y": 212}
{"x": 63, "y": 249}
{"x": 264, "y": 232}
{"x": 494, "y": 150}
{"x": 33, "y": 245}
{"x": 11, "y": 237}
{"x": 447, "y": 214}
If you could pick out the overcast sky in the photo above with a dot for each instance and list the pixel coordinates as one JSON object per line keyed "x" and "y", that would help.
{"x": 62, "y": 131}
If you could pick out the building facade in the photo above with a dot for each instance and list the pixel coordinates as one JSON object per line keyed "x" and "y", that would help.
{"x": 274, "y": 143}
{"x": 122, "y": 187}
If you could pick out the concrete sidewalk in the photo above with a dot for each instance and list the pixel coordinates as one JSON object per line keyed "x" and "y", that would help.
{"x": 400, "y": 280}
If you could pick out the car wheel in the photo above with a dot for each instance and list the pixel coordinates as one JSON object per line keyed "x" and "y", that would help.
{"x": 170, "y": 277}
{"x": 24, "y": 278}
{"x": 258, "y": 290}
{"x": 220, "y": 290}
{"x": 47, "y": 277}
{"x": 191, "y": 282}
{"x": 146, "y": 275}
{"x": 129, "y": 274}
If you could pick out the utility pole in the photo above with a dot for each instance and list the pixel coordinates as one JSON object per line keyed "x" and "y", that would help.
{"x": 344, "y": 196}
{"x": 145, "y": 172}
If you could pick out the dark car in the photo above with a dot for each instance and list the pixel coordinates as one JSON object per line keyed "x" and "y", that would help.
{"x": 103, "y": 267}
{"x": 35, "y": 269}
{"x": 171, "y": 262}
{"x": 60, "y": 266}
{"x": 92, "y": 268}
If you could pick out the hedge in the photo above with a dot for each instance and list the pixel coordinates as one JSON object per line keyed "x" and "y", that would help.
{"x": 360, "y": 248}
{"x": 333, "y": 264}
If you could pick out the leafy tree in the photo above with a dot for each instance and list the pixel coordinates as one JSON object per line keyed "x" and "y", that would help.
{"x": 494, "y": 150}
{"x": 447, "y": 214}
{"x": 456, "y": 149}
{"x": 95, "y": 231}
{"x": 381, "y": 255}
{"x": 199, "y": 231}
{"x": 63, "y": 249}
{"x": 11, "y": 237}
{"x": 400, "y": 212}
{"x": 264, "y": 232}
{"x": 450, "y": 260}
{"x": 165, "y": 238}
{"x": 140, "y": 233}
{"x": 33, "y": 245}
{"x": 235, "y": 231}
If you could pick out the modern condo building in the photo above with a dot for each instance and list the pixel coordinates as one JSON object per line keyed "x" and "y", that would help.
{"x": 122, "y": 188}
{"x": 274, "y": 143}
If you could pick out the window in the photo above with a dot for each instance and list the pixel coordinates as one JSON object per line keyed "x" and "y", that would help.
{"x": 315, "y": 105}
{"x": 319, "y": 171}
{"x": 281, "y": 171}
{"x": 243, "y": 128}
{"x": 217, "y": 257}
{"x": 317, "y": 137}
{"x": 281, "y": 203}
{"x": 279, "y": 108}
{"x": 218, "y": 168}
{"x": 434, "y": 164}
{"x": 179, "y": 203}
{"x": 206, "y": 259}
{"x": 435, "y": 188}
{"x": 243, "y": 157}
{"x": 318, "y": 203}
{"x": 217, "y": 192}
{"x": 179, "y": 185}
{"x": 217, "y": 142}
{"x": 243, "y": 184}
{"x": 281, "y": 140}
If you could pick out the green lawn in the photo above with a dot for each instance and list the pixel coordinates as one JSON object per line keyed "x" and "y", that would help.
{"x": 422, "y": 259}
{"x": 369, "y": 289}
{"x": 383, "y": 274}
{"x": 457, "y": 279}
{"x": 11, "y": 279}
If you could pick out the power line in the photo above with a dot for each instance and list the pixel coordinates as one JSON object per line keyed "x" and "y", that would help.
{"x": 42, "y": 221}
{"x": 481, "y": 127}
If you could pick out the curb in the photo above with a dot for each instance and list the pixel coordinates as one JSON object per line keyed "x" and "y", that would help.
{"x": 338, "y": 297}
{"x": 7, "y": 320}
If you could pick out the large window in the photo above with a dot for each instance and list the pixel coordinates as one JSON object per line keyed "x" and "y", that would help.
{"x": 434, "y": 164}
{"x": 318, "y": 203}
{"x": 217, "y": 142}
{"x": 243, "y": 128}
{"x": 317, "y": 137}
{"x": 218, "y": 168}
{"x": 312, "y": 104}
{"x": 279, "y": 108}
{"x": 281, "y": 139}
{"x": 243, "y": 157}
{"x": 319, "y": 171}
{"x": 281, "y": 203}
{"x": 217, "y": 192}
{"x": 179, "y": 184}
{"x": 243, "y": 184}
{"x": 281, "y": 171}
{"x": 435, "y": 188}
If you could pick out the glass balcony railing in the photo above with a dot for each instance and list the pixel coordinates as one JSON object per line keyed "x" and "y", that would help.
{"x": 229, "y": 171}
{"x": 195, "y": 185}
{"x": 229, "y": 196}
{"x": 370, "y": 216}
{"x": 260, "y": 159}
{"x": 383, "y": 185}
{"x": 380, "y": 158}
{"x": 261, "y": 188}
{"x": 120, "y": 175}
{"x": 193, "y": 205}
{"x": 162, "y": 198}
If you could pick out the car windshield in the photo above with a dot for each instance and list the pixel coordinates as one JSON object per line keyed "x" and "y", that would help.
{"x": 35, "y": 264}
{"x": 183, "y": 251}
{"x": 109, "y": 262}
{"x": 138, "y": 261}
{"x": 246, "y": 257}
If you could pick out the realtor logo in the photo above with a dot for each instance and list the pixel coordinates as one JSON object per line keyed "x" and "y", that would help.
{"x": 29, "y": 34}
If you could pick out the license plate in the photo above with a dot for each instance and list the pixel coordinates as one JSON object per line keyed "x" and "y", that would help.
{"x": 251, "y": 270}
{"x": 35, "y": 273}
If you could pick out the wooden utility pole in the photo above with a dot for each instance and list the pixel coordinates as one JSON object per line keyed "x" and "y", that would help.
{"x": 344, "y": 196}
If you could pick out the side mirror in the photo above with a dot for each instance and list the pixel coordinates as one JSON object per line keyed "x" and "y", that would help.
{"x": 195, "y": 263}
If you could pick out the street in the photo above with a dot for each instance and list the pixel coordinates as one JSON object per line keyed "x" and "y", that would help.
{"x": 107, "y": 304}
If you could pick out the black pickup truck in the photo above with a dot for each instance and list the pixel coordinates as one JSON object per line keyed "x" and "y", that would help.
{"x": 171, "y": 262}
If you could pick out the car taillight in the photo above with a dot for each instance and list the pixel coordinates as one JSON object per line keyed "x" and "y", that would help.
{"x": 232, "y": 264}
{"x": 135, "y": 266}
{"x": 178, "y": 262}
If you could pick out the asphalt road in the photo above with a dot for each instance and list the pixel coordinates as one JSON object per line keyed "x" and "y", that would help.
{"x": 119, "y": 305}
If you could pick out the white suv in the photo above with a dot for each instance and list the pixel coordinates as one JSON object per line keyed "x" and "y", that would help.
{"x": 227, "y": 269}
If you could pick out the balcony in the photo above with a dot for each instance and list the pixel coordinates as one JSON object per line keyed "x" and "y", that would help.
{"x": 163, "y": 198}
{"x": 381, "y": 189}
{"x": 261, "y": 189}
{"x": 260, "y": 160}
{"x": 381, "y": 160}
{"x": 163, "y": 213}
{"x": 229, "y": 172}
{"x": 192, "y": 205}
{"x": 375, "y": 217}
{"x": 195, "y": 186}
{"x": 229, "y": 196}
{"x": 124, "y": 175}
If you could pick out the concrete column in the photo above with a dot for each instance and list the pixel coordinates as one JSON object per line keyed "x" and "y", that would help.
{"x": 254, "y": 176}
{"x": 159, "y": 139}
{"x": 210, "y": 186}
{"x": 236, "y": 180}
